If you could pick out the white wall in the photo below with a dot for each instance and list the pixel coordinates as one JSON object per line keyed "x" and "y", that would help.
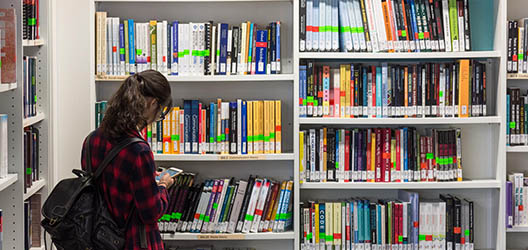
{"x": 71, "y": 74}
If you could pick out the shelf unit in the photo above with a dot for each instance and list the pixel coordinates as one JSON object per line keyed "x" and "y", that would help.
{"x": 472, "y": 184}
{"x": 12, "y": 195}
{"x": 229, "y": 87}
{"x": 516, "y": 156}
{"x": 392, "y": 56}
{"x": 400, "y": 121}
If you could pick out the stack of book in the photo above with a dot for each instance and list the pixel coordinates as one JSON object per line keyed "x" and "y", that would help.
{"x": 100, "y": 109}
{"x": 4, "y": 158}
{"x": 379, "y": 155}
{"x": 30, "y": 86}
{"x": 384, "y": 25}
{"x": 404, "y": 223}
{"x": 517, "y": 46}
{"x": 31, "y": 20}
{"x": 456, "y": 89}
{"x": 32, "y": 233}
{"x": 31, "y": 156}
{"x": 228, "y": 206}
{"x": 516, "y": 199}
{"x": 176, "y": 48}
{"x": 517, "y": 126}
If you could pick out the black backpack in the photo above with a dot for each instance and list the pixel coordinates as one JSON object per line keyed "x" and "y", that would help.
{"x": 75, "y": 213}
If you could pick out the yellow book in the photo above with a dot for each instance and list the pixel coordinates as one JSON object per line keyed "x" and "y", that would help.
{"x": 278, "y": 127}
{"x": 373, "y": 155}
{"x": 301, "y": 157}
{"x": 174, "y": 129}
{"x": 167, "y": 134}
{"x": 337, "y": 223}
{"x": 463, "y": 101}
{"x": 261, "y": 127}
{"x": 153, "y": 44}
{"x": 325, "y": 167}
{"x": 271, "y": 127}
{"x": 347, "y": 91}
{"x": 256, "y": 127}
{"x": 250, "y": 127}
{"x": 342, "y": 91}
{"x": 246, "y": 63}
{"x": 266, "y": 127}
{"x": 316, "y": 223}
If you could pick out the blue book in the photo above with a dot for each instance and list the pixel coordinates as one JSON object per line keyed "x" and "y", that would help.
{"x": 355, "y": 230}
{"x": 223, "y": 48}
{"x": 366, "y": 213}
{"x": 338, "y": 137}
{"x": 322, "y": 219}
{"x": 384, "y": 85}
{"x": 122, "y": 48}
{"x": 174, "y": 66}
{"x": 169, "y": 50}
{"x": 379, "y": 92}
{"x": 405, "y": 159}
{"x": 508, "y": 119}
{"x": 361, "y": 236}
{"x": 131, "y": 47}
{"x": 224, "y": 203}
{"x": 302, "y": 91}
{"x": 277, "y": 49}
{"x": 414, "y": 25}
{"x": 244, "y": 127}
{"x": 378, "y": 231}
{"x": 186, "y": 125}
{"x": 195, "y": 123}
{"x": 365, "y": 92}
{"x": 261, "y": 47}
{"x": 250, "y": 47}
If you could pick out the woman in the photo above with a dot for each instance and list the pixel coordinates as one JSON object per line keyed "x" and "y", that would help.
{"x": 129, "y": 180}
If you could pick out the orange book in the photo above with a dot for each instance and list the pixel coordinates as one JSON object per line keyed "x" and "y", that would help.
{"x": 347, "y": 91}
{"x": 463, "y": 101}
{"x": 174, "y": 129}
{"x": 373, "y": 155}
{"x": 261, "y": 127}
{"x": 167, "y": 149}
{"x": 388, "y": 29}
{"x": 250, "y": 127}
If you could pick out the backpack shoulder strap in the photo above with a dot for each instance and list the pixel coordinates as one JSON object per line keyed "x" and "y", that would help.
{"x": 112, "y": 154}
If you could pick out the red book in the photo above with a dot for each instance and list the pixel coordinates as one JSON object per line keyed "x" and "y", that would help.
{"x": 379, "y": 172}
{"x": 430, "y": 159}
{"x": 423, "y": 165}
{"x": 386, "y": 154}
{"x": 347, "y": 155}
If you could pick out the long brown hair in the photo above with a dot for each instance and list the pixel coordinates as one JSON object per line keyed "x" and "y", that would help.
{"x": 126, "y": 109}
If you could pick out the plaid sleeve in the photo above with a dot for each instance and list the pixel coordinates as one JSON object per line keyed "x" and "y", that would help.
{"x": 150, "y": 199}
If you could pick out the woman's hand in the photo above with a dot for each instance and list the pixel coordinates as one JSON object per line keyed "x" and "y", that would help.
{"x": 166, "y": 180}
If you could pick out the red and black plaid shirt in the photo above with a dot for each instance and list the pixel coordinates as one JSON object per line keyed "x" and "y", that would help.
{"x": 129, "y": 180}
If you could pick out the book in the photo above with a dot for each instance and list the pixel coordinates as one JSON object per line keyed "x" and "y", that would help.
{"x": 31, "y": 156}
{"x": 30, "y": 86}
{"x": 406, "y": 223}
{"x": 32, "y": 229}
{"x": 186, "y": 49}
{"x": 380, "y": 155}
{"x": 8, "y": 48}
{"x": 219, "y": 205}
{"x": 393, "y": 90}
{"x": 516, "y": 198}
{"x": 384, "y": 25}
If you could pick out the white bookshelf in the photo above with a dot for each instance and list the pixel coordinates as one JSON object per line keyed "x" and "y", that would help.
{"x": 517, "y": 155}
{"x": 235, "y": 236}
{"x": 12, "y": 195}
{"x": 36, "y": 187}
{"x": 483, "y": 137}
{"x": 34, "y": 119}
{"x": 7, "y": 87}
{"x": 8, "y": 181}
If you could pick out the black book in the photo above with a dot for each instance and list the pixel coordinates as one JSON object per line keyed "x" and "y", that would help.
{"x": 431, "y": 20}
{"x": 373, "y": 223}
{"x": 268, "y": 50}
{"x": 437, "y": 9}
{"x": 245, "y": 201}
{"x": 410, "y": 27}
{"x": 455, "y": 84}
{"x": 364, "y": 22}
{"x": 457, "y": 222}
{"x": 302, "y": 28}
{"x": 273, "y": 40}
{"x": 398, "y": 15}
{"x": 449, "y": 219}
{"x": 207, "y": 57}
{"x": 234, "y": 49}
{"x": 467, "y": 26}
{"x": 318, "y": 156}
{"x": 515, "y": 50}
{"x": 471, "y": 222}
{"x": 510, "y": 47}
{"x": 331, "y": 154}
{"x": 233, "y": 128}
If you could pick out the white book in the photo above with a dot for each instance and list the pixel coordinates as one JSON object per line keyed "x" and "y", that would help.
{"x": 195, "y": 46}
{"x": 313, "y": 176}
{"x": 146, "y": 47}
{"x": 353, "y": 25}
{"x": 181, "y": 46}
{"x": 380, "y": 25}
{"x": 239, "y": 126}
{"x": 201, "y": 47}
{"x": 315, "y": 25}
{"x": 251, "y": 206}
{"x": 346, "y": 36}
{"x": 442, "y": 91}
{"x": 108, "y": 62}
{"x": 115, "y": 46}
{"x": 335, "y": 24}
{"x": 309, "y": 16}
{"x": 260, "y": 206}
{"x": 447, "y": 26}
{"x": 322, "y": 24}
{"x": 229, "y": 52}
{"x": 461, "y": 36}
{"x": 521, "y": 49}
{"x": 241, "y": 63}
{"x": 159, "y": 46}
{"x": 359, "y": 22}
{"x": 217, "y": 52}
{"x": 342, "y": 155}
{"x": 372, "y": 25}
{"x": 329, "y": 25}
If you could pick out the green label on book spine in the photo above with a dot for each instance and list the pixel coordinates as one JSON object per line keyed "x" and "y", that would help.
{"x": 211, "y": 139}
{"x": 139, "y": 52}
{"x": 202, "y": 217}
{"x": 512, "y": 124}
{"x": 272, "y": 135}
{"x": 521, "y": 57}
{"x": 149, "y": 133}
{"x": 215, "y": 205}
{"x": 422, "y": 237}
{"x": 335, "y": 29}
{"x": 32, "y": 21}
{"x": 361, "y": 29}
{"x": 404, "y": 33}
{"x": 173, "y": 215}
{"x": 207, "y": 53}
{"x": 178, "y": 216}
{"x": 249, "y": 217}
{"x": 28, "y": 171}
{"x": 337, "y": 165}
{"x": 421, "y": 35}
{"x": 430, "y": 156}
{"x": 122, "y": 51}
{"x": 174, "y": 137}
{"x": 329, "y": 237}
{"x": 309, "y": 236}
{"x": 466, "y": 232}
